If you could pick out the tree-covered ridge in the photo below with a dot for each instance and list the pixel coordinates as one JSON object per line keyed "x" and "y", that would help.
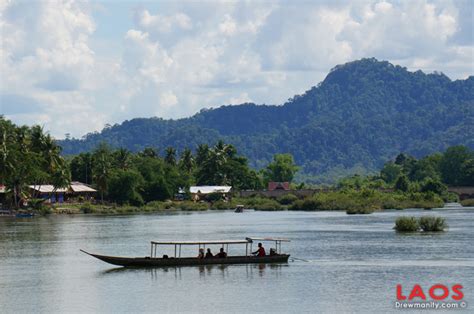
{"x": 364, "y": 113}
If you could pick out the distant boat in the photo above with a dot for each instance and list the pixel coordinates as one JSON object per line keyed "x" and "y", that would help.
{"x": 24, "y": 215}
{"x": 239, "y": 209}
{"x": 177, "y": 260}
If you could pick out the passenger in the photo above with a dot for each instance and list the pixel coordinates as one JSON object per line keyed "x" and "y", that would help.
{"x": 201, "y": 254}
{"x": 260, "y": 252}
{"x": 209, "y": 254}
{"x": 221, "y": 253}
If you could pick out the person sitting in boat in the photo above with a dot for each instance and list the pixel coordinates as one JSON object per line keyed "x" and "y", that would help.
{"x": 209, "y": 254}
{"x": 260, "y": 252}
{"x": 221, "y": 253}
{"x": 201, "y": 254}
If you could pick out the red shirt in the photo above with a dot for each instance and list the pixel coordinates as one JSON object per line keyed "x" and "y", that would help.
{"x": 261, "y": 251}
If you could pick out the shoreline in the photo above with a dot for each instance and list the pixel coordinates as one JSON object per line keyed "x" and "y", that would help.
{"x": 108, "y": 210}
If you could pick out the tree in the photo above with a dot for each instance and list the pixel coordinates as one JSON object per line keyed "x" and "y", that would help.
{"x": 124, "y": 187}
{"x": 451, "y": 164}
{"x": 281, "y": 169}
{"x": 170, "y": 156}
{"x": 149, "y": 152}
{"x": 122, "y": 158}
{"x": 402, "y": 183}
{"x": 101, "y": 168}
{"x": 433, "y": 185}
{"x": 186, "y": 162}
{"x": 81, "y": 168}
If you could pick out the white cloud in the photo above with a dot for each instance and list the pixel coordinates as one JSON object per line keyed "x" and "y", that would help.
{"x": 177, "y": 58}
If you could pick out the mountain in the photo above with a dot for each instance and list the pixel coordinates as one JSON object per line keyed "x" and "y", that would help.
{"x": 364, "y": 113}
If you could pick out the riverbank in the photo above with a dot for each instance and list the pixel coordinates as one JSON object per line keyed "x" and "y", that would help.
{"x": 350, "y": 201}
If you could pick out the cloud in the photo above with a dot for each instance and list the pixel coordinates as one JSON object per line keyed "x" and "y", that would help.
{"x": 178, "y": 57}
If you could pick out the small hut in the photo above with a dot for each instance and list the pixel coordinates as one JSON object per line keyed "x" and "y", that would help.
{"x": 77, "y": 191}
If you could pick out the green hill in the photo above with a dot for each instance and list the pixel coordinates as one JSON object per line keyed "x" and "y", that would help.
{"x": 364, "y": 113}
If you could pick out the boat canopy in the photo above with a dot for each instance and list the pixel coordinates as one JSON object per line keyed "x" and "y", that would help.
{"x": 247, "y": 242}
{"x": 200, "y": 242}
{"x": 268, "y": 239}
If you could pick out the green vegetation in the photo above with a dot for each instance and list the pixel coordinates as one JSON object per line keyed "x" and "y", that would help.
{"x": 360, "y": 116}
{"x": 406, "y": 224}
{"x": 432, "y": 224}
{"x": 425, "y": 223}
{"x": 29, "y": 156}
{"x": 468, "y": 202}
{"x": 366, "y": 201}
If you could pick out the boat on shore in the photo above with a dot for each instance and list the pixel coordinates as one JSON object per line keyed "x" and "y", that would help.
{"x": 275, "y": 255}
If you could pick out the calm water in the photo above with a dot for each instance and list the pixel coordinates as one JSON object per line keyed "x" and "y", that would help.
{"x": 353, "y": 263}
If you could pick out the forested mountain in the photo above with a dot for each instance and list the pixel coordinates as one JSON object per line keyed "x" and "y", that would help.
{"x": 364, "y": 113}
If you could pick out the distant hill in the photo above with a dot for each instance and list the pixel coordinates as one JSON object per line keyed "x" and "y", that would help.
{"x": 362, "y": 114}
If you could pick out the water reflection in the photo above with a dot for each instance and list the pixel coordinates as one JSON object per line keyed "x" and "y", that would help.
{"x": 220, "y": 270}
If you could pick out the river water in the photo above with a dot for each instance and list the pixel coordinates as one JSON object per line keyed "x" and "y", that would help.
{"x": 345, "y": 263}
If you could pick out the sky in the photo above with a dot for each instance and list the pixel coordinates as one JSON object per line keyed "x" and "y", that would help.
{"x": 75, "y": 66}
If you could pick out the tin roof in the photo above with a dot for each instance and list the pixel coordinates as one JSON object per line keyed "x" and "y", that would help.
{"x": 208, "y": 189}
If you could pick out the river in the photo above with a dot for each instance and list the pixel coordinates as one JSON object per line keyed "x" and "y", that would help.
{"x": 345, "y": 263}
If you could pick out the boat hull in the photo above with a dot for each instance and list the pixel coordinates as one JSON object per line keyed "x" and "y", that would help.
{"x": 188, "y": 261}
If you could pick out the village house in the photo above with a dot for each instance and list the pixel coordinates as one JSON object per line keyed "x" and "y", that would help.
{"x": 272, "y": 186}
{"x": 76, "y": 192}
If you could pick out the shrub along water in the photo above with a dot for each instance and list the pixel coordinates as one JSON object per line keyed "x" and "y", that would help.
{"x": 468, "y": 202}
{"x": 432, "y": 224}
{"x": 366, "y": 201}
{"x": 425, "y": 223}
{"x": 406, "y": 224}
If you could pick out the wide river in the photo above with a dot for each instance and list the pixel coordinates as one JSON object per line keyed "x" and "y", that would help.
{"x": 345, "y": 263}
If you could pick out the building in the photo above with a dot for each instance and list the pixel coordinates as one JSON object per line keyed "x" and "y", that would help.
{"x": 77, "y": 191}
{"x": 272, "y": 186}
{"x": 200, "y": 192}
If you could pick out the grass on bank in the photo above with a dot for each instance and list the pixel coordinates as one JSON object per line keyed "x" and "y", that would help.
{"x": 351, "y": 201}
{"x": 366, "y": 201}
{"x": 468, "y": 202}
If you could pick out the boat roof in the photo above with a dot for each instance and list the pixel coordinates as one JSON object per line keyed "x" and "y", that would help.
{"x": 200, "y": 242}
{"x": 268, "y": 239}
{"x": 247, "y": 240}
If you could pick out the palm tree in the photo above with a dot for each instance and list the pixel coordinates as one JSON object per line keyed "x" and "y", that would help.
{"x": 122, "y": 158}
{"x": 186, "y": 163}
{"x": 170, "y": 156}
{"x": 101, "y": 168}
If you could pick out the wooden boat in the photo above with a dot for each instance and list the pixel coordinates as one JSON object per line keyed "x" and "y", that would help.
{"x": 153, "y": 261}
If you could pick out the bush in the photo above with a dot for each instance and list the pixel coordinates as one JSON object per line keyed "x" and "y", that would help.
{"x": 86, "y": 208}
{"x": 307, "y": 204}
{"x": 192, "y": 206}
{"x": 360, "y": 210}
{"x": 223, "y": 205}
{"x": 268, "y": 205}
{"x": 468, "y": 202}
{"x": 287, "y": 199}
{"x": 432, "y": 224}
{"x": 406, "y": 224}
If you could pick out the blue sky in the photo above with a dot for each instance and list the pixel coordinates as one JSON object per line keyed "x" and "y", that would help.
{"x": 75, "y": 66}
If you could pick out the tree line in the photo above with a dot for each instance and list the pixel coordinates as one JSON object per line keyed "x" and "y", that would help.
{"x": 30, "y": 156}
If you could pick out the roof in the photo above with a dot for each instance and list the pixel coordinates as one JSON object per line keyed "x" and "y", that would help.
{"x": 268, "y": 239}
{"x": 47, "y": 188}
{"x": 81, "y": 187}
{"x": 200, "y": 242}
{"x": 76, "y": 187}
{"x": 208, "y": 189}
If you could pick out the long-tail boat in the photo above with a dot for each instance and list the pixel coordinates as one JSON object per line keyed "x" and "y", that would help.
{"x": 153, "y": 260}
